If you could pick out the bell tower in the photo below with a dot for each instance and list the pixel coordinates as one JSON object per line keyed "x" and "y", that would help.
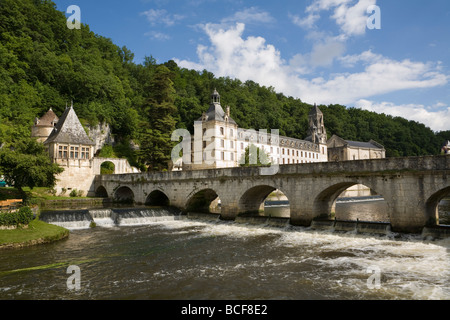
{"x": 215, "y": 97}
{"x": 317, "y": 130}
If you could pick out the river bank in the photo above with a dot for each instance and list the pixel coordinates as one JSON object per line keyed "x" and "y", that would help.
{"x": 37, "y": 232}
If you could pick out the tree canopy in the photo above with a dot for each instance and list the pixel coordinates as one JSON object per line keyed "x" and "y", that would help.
{"x": 44, "y": 64}
{"x": 25, "y": 163}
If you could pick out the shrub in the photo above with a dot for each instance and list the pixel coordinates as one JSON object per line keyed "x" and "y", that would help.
{"x": 74, "y": 193}
{"x": 21, "y": 217}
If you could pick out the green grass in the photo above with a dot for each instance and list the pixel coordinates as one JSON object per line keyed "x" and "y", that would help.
{"x": 34, "y": 195}
{"x": 37, "y": 232}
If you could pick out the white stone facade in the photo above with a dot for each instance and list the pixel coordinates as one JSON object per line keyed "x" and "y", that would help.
{"x": 218, "y": 142}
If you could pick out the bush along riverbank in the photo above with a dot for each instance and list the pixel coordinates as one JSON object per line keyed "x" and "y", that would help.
{"x": 19, "y": 229}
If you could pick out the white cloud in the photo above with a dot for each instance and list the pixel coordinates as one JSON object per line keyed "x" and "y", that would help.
{"x": 365, "y": 58}
{"x": 308, "y": 22}
{"x": 436, "y": 117}
{"x": 156, "y": 17}
{"x": 231, "y": 55}
{"x": 323, "y": 54}
{"x": 353, "y": 19}
{"x": 350, "y": 15}
{"x": 253, "y": 59}
{"x": 250, "y": 15}
{"x": 155, "y": 35}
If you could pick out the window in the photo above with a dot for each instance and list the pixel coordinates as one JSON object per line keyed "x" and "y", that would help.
{"x": 242, "y": 146}
{"x": 231, "y": 132}
{"x": 77, "y": 150}
{"x": 231, "y": 145}
{"x": 221, "y": 131}
{"x": 60, "y": 153}
{"x": 204, "y": 144}
{"x": 222, "y": 143}
{"x": 232, "y": 156}
{"x": 222, "y": 155}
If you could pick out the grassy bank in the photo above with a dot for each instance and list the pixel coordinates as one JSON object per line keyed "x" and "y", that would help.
{"x": 37, "y": 232}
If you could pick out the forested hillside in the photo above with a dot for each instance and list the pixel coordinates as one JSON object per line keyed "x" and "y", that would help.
{"x": 44, "y": 64}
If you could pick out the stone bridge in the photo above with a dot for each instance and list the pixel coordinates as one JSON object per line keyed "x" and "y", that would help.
{"x": 412, "y": 188}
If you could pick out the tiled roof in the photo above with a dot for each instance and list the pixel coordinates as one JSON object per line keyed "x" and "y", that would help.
{"x": 69, "y": 130}
{"x": 359, "y": 144}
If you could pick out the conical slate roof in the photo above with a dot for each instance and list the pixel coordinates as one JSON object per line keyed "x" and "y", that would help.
{"x": 69, "y": 130}
{"x": 48, "y": 119}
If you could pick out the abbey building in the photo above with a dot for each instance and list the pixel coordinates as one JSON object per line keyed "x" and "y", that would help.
{"x": 218, "y": 142}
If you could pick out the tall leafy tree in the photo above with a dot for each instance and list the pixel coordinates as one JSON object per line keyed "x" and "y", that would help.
{"x": 159, "y": 123}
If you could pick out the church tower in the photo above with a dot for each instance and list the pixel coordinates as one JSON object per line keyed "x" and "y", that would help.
{"x": 317, "y": 131}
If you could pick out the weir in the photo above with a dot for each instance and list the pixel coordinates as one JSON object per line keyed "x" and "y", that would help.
{"x": 368, "y": 227}
{"x": 109, "y": 217}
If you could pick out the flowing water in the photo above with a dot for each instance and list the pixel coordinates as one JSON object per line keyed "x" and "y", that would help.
{"x": 150, "y": 253}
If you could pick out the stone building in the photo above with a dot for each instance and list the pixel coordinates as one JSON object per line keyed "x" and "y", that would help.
{"x": 218, "y": 142}
{"x": 70, "y": 147}
{"x": 345, "y": 150}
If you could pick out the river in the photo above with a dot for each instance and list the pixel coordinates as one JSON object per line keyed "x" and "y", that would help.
{"x": 172, "y": 257}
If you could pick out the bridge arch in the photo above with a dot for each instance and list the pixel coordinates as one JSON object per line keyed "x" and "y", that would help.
{"x": 432, "y": 206}
{"x": 157, "y": 198}
{"x": 124, "y": 194}
{"x": 101, "y": 192}
{"x": 252, "y": 201}
{"x": 202, "y": 200}
{"x": 324, "y": 205}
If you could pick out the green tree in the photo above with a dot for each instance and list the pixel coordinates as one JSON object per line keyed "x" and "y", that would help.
{"x": 254, "y": 156}
{"x": 159, "y": 123}
{"x": 25, "y": 163}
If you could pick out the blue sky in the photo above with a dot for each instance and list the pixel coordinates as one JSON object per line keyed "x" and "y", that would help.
{"x": 320, "y": 51}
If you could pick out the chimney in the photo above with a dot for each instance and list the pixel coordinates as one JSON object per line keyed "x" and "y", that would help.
{"x": 228, "y": 111}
